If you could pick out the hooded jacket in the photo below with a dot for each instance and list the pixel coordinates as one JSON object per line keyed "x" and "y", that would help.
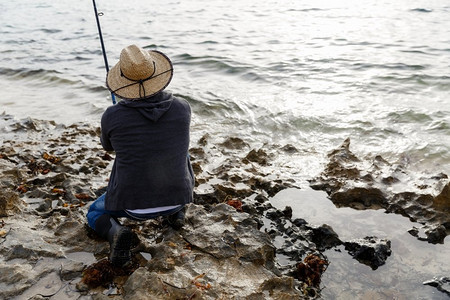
{"x": 151, "y": 140}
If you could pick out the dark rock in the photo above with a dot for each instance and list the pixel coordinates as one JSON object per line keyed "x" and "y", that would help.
{"x": 414, "y": 232}
{"x": 369, "y": 197}
{"x": 261, "y": 198}
{"x": 287, "y": 212}
{"x": 257, "y": 156}
{"x": 325, "y": 237}
{"x": 390, "y": 180}
{"x": 442, "y": 201}
{"x": 289, "y": 149}
{"x": 370, "y": 251}
{"x": 299, "y": 222}
{"x": 436, "y": 234}
{"x": 234, "y": 143}
{"x": 274, "y": 214}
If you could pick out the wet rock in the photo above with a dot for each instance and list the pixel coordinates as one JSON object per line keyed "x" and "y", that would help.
{"x": 47, "y": 286}
{"x": 414, "y": 231}
{"x": 351, "y": 197}
{"x": 25, "y": 241}
{"x": 442, "y": 201}
{"x": 324, "y": 237}
{"x": 10, "y": 202}
{"x": 370, "y": 251}
{"x": 234, "y": 143}
{"x": 274, "y": 214}
{"x": 223, "y": 234}
{"x": 282, "y": 287}
{"x": 359, "y": 184}
{"x": 436, "y": 234}
{"x": 441, "y": 284}
{"x": 219, "y": 253}
{"x": 289, "y": 149}
{"x": 71, "y": 269}
{"x": 257, "y": 156}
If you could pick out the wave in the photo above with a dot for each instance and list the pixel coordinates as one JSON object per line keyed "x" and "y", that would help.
{"x": 389, "y": 66}
{"x": 306, "y": 9}
{"x": 223, "y": 65}
{"x": 42, "y": 77}
{"x": 422, "y": 10}
{"x": 409, "y": 116}
{"x": 25, "y": 73}
{"x": 211, "y": 62}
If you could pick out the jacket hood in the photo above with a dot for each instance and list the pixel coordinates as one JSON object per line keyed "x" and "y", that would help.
{"x": 152, "y": 108}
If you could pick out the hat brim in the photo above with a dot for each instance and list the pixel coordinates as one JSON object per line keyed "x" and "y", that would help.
{"x": 132, "y": 90}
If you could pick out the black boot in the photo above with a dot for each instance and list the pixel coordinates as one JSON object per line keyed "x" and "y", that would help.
{"x": 176, "y": 220}
{"x": 119, "y": 237}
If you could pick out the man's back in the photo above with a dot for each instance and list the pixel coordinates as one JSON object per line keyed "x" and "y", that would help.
{"x": 151, "y": 141}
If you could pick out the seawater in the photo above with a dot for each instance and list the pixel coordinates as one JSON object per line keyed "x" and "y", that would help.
{"x": 306, "y": 73}
{"x": 411, "y": 262}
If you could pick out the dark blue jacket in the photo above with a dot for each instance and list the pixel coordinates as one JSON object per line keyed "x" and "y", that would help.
{"x": 151, "y": 141}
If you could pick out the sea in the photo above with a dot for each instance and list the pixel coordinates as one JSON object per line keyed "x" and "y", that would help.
{"x": 308, "y": 73}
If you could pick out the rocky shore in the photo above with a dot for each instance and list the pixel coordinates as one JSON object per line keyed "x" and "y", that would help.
{"x": 233, "y": 240}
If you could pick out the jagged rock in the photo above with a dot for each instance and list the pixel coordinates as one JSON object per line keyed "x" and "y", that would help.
{"x": 368, "y": 197}
{"x": 234, "y": 143}
{"x": 370, "y": 251}
{"x": 325, "y": 237}
{"x": 9, "y": 202}
{"x": 27, "y": 242}
{"x": 218, "y": 254}
{"x": 225, "y": 233}
{"x": 257, "y": 156}
{"x": 350, "y": 182}
{"x": 436, "y": 234}
{"x": 442, "y": 201}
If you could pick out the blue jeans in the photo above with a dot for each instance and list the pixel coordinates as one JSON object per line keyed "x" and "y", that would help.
{"x": 97, "y": 209}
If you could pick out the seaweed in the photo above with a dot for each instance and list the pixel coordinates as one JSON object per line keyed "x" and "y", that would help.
{"x": 103, "y": 273}
{"x": 310, "y": 270}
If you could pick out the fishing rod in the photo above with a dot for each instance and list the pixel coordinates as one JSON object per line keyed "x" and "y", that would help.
{"x": 113, "y": 98}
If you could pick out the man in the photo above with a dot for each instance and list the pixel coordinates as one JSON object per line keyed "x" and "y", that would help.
{"x": 149, "y": 132}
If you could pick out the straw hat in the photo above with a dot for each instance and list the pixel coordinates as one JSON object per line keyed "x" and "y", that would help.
{"x": 139, "y": 73}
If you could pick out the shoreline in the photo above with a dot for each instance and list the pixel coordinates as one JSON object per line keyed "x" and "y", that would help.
{"x": 49, "y": 180}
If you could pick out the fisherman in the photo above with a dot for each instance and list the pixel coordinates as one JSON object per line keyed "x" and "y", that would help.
{"x": 149, "y": 131}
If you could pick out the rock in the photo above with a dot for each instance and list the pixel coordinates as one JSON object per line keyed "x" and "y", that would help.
{"x": 368, "y": 197}
{"x": 225, "y": 233}
{"x": 441, "y": 284}
{"x": 234, "y": 143}
{"x": 370, "y": 251}
{"x": 352, "y": 182}
{"x": 257, "y": 156}
{"x": 71, "y": 269}
{"x": 46, "y": 287}
{"x": 289, "y": 149}
{"x": 10, "y": 202}
{"x": 218, "y": 254}
{"x": 325, "y": 237}
{"x": 442, "y": 201}
{"x": 436, "y": 234}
